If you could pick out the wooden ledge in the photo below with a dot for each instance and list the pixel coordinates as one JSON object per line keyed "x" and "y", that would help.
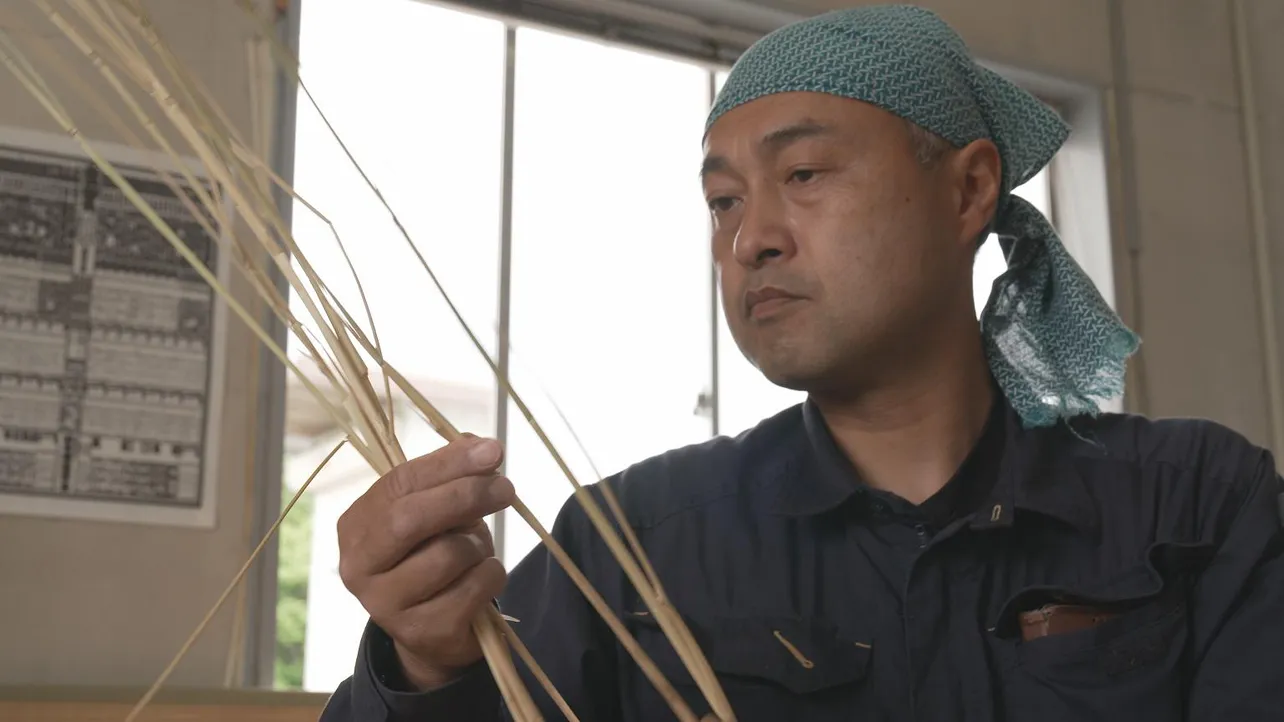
{"x": 112, "y": 704}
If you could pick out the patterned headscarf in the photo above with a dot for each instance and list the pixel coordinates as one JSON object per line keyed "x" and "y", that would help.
{"x": 1054, "y": 345}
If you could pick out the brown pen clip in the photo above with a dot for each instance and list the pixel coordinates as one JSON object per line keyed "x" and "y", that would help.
{"x": 1054, "y": 619}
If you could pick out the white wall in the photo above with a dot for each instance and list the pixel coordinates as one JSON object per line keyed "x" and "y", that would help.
{"x": 110, "y": 603}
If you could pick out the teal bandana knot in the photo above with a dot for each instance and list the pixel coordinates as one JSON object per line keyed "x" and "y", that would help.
{"x": 1055, "y": 346}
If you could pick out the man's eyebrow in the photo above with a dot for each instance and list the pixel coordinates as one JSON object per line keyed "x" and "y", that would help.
{"x": 772, "y": 142}
{"x": 781, "y": 137}
{"x": 713, "y": 164}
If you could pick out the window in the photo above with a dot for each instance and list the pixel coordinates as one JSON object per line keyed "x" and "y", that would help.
{"x": 434, "y": 152}
{"x": 614, "y": 335}
{"x": 436, "y": 155}
{"x": 610, "y": 294}
{"x": 990, "y": 264}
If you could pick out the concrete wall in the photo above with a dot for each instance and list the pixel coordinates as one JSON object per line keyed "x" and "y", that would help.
{"x": 1186, "y": 271}
{"x": 100, "y": 603}
{"x": 108, "y": 604}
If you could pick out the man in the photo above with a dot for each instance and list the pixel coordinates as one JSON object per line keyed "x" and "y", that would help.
{"x": 945, "y": 530}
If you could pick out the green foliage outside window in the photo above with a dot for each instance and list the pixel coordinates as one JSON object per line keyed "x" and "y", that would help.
{"x": 293, "y": 561}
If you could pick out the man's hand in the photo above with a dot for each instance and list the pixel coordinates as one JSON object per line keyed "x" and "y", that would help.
{"x": 415, "y": 551}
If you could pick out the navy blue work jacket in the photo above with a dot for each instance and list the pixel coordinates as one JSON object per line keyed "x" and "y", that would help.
{"x": 1115, "y": 568}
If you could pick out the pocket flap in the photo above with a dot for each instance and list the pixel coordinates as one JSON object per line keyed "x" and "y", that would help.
{"x": 804, "y": 655}
{"x": 1148, "y": 584}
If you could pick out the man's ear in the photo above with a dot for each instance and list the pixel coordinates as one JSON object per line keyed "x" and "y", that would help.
{"x": 978, "y": 178}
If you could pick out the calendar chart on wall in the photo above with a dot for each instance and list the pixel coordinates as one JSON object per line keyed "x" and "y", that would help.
{"x": 109, "y": 352}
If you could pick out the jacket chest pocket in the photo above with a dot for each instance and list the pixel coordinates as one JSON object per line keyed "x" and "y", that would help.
{"x": 770, "y": 668}
{"x": 1108, "y": 653}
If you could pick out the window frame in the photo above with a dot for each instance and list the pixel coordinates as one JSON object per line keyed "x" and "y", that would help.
{"x": 712, "y": 32}
{"x": 1077, "y": 185}
{"x": 258, "y": 645}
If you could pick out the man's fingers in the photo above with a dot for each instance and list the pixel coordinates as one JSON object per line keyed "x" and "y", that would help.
{"x": 458, "y": 459}
{"x": 444, "y": 623}
{"x": 414, "y": 549}
{"x": 482, "y": 530}
{"x": 410, "y": 520}
{"x": 429, "y": 570}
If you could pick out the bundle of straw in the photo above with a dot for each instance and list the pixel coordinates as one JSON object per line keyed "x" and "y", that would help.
{"x": 169, "y": 108}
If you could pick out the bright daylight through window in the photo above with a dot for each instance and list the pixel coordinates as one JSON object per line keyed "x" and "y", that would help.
{"x": 611, "y": 328}
{"x": 430, "y": 141}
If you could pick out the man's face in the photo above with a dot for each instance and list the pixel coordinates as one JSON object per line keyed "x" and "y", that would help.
{"x": 835, "y": 247}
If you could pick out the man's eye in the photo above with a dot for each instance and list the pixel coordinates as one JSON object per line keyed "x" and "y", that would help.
{"x": 802, "y": 175}
{"x": 721, "y": 204}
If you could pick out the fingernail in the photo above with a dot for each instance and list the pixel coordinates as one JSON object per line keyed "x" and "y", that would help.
{"x": 485, "y": 453}
{"x": 477, "y": 541}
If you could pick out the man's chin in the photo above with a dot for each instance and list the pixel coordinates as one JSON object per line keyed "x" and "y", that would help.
{"x": 788, "y": 376}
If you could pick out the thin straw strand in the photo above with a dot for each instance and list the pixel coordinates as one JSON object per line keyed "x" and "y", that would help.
{"x": 236, "y": 581}
{"x": 333, "y": 321}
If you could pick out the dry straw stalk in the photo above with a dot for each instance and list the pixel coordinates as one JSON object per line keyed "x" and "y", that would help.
{"x": 133, "y": 64}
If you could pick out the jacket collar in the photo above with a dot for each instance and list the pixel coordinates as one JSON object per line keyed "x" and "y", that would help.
{"x": 1032, "y": 474}
{"x": 1038, "y": 474}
